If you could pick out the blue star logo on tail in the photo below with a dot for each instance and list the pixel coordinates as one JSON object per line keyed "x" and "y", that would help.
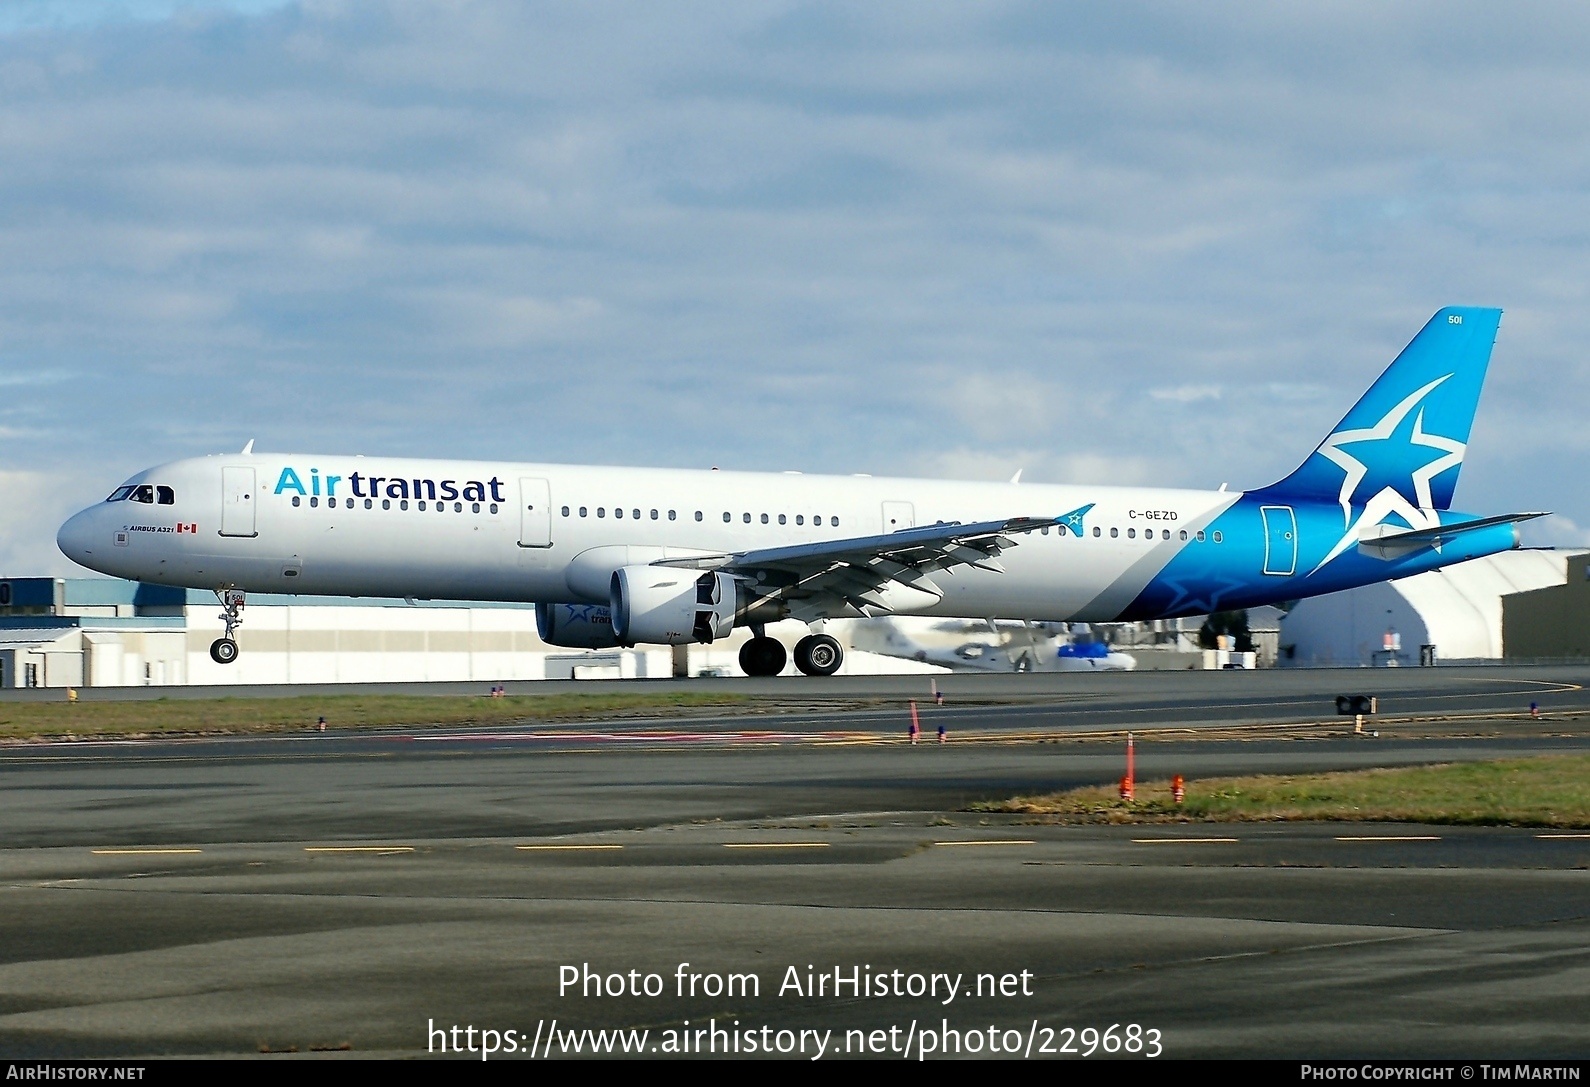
{"x": 1072, "y": 521}
{"x": 1398, "y": 462}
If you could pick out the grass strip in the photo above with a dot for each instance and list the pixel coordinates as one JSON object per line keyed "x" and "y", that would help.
{"x": 1544, "y": 791}
{"x": 224, "y": 716}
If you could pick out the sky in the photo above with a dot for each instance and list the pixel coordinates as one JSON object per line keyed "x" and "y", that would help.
{"x": 1126, "y": 243}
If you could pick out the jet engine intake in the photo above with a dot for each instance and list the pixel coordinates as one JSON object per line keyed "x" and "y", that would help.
{"x": 662, "y": 605}
{"x": 576, "y": 626}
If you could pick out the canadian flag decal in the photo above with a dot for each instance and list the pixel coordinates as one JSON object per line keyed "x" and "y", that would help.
{"x": 193, "y": 528}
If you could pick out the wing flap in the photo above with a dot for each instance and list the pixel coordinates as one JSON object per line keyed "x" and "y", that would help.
{"x": 869, "y": 574}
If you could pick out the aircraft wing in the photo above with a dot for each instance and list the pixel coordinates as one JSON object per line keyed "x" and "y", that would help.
{"x": 869, "y": 575}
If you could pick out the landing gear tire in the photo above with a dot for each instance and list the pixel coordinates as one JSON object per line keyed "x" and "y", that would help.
{"x": 818, "y": 655}
{"x": 763, "y": 657}
{"x": 224, "y": 650}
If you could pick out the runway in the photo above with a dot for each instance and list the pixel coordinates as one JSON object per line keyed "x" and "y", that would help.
{"x": 232, "y": 895}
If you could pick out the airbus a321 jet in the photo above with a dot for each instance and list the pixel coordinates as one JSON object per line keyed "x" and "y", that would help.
{"x": 624, "y": 556}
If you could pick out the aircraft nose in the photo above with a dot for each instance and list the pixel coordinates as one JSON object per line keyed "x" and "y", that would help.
{"x": 77, "y": 538}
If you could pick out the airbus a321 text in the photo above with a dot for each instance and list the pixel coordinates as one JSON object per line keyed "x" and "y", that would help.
{"x": 624, "y": 556}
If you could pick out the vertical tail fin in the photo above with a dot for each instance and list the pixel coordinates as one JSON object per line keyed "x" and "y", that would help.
{"x": 1409, "y": 432}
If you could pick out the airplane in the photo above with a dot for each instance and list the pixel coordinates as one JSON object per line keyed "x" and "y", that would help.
{"x": 626, "y": 556}
{"x": 986, "y": 645}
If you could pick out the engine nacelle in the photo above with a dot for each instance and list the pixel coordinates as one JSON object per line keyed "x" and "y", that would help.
{"x": 663, "y": 605}
{"x": 576, "y": 626}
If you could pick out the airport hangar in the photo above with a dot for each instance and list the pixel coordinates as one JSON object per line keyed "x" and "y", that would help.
{"x": 102, "y": 632}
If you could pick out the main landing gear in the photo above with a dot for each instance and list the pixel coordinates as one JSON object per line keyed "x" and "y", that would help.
{"x": 815, "y": 655}
{"x": 762, "y": 656}
{"x": 224, "y": 649}
{"x": 818, "y": 655}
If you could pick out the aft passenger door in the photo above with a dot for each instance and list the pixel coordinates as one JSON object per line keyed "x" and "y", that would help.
{"x": 535, "y": 513}
{"x": 237, "y": 502}
{"x": 1280, "y": 540}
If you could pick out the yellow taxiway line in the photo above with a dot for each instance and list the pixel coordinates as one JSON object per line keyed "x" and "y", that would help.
{"x": 992, "y": 841}
{"x": 776, "y": 845}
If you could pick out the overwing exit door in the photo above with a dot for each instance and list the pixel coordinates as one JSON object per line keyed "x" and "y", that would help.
{"x": 898, "y": 515}
{"x": 535, "y": 513}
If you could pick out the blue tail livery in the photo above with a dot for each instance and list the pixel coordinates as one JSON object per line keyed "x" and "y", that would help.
{"x": 1372, "y": 502}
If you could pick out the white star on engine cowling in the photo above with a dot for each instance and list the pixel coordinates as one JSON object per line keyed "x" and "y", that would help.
{"x": 1418, "y": 513}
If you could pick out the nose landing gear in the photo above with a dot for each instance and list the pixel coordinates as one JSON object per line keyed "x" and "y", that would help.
{"x": 224, "y": 649}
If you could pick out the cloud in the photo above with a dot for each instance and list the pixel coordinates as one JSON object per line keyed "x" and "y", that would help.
{"x": 25, "y": 550}
{"x": 1122, "y": 244}
{"x": 1187, "y": 394}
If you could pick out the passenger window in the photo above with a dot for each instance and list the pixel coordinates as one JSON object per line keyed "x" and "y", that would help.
{"x": 420, "y": 505}
{"x": 764, "y": 518}
{"x": 781, "y": 518}
{"x": 1131, "y": 534}
{"x": 747, "y": 517}
{"x": 671, "y": 516}
{"x": 1183, "y": 534}
{"x": 1165, "y": 535}
{"x": 727, "y": 517}
{"x": 297, "y": 500}
{"x": 618, "y": 513}
{"x": 636, "y": 514}
{"x": 120, "y": 494}
{"x": 1200, "y": 535}
{"x": 369, "y": 503}
{"x": 493, "y": 507}
{"x": 698, "y": 515}
{"x": 474, "y": 507}
{"x": 166, "y": 496}
{"x": 458, "y": 507}
{"x": 1045, "y": 530}
{"x": 800, "y": 518}
{"x": 834, "y": 521}
{"x": 1114, "y": 532}
{"x": 1217, "y": 536}
{"x": 582, "y": 511}
{"x": 654, "y": 515}
{"x": 403, "y": 503}
{"x": 314, "y": 502}
{"x": 601, "y": 511}
{"x": 565, "y": 511}
{"x": 1095, "y": 530}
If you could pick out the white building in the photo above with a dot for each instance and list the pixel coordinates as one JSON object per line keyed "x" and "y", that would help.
{"x": 100, "y": 632}
{"x": 1449, "y": 614}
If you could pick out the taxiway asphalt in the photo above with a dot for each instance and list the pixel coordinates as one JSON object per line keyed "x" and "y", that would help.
{"x": 216, "y": 895}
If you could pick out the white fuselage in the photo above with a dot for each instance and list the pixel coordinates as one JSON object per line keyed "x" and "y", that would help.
{"x": 365, "y": 526}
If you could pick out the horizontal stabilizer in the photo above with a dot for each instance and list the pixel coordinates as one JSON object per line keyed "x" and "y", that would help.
{"x": 1394, "y": 544}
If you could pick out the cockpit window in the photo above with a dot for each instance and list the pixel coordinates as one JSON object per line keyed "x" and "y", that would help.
{"x": 121, "y": 494}
{"x": 166, "y": 495}
{"x": 145, "y": 493}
